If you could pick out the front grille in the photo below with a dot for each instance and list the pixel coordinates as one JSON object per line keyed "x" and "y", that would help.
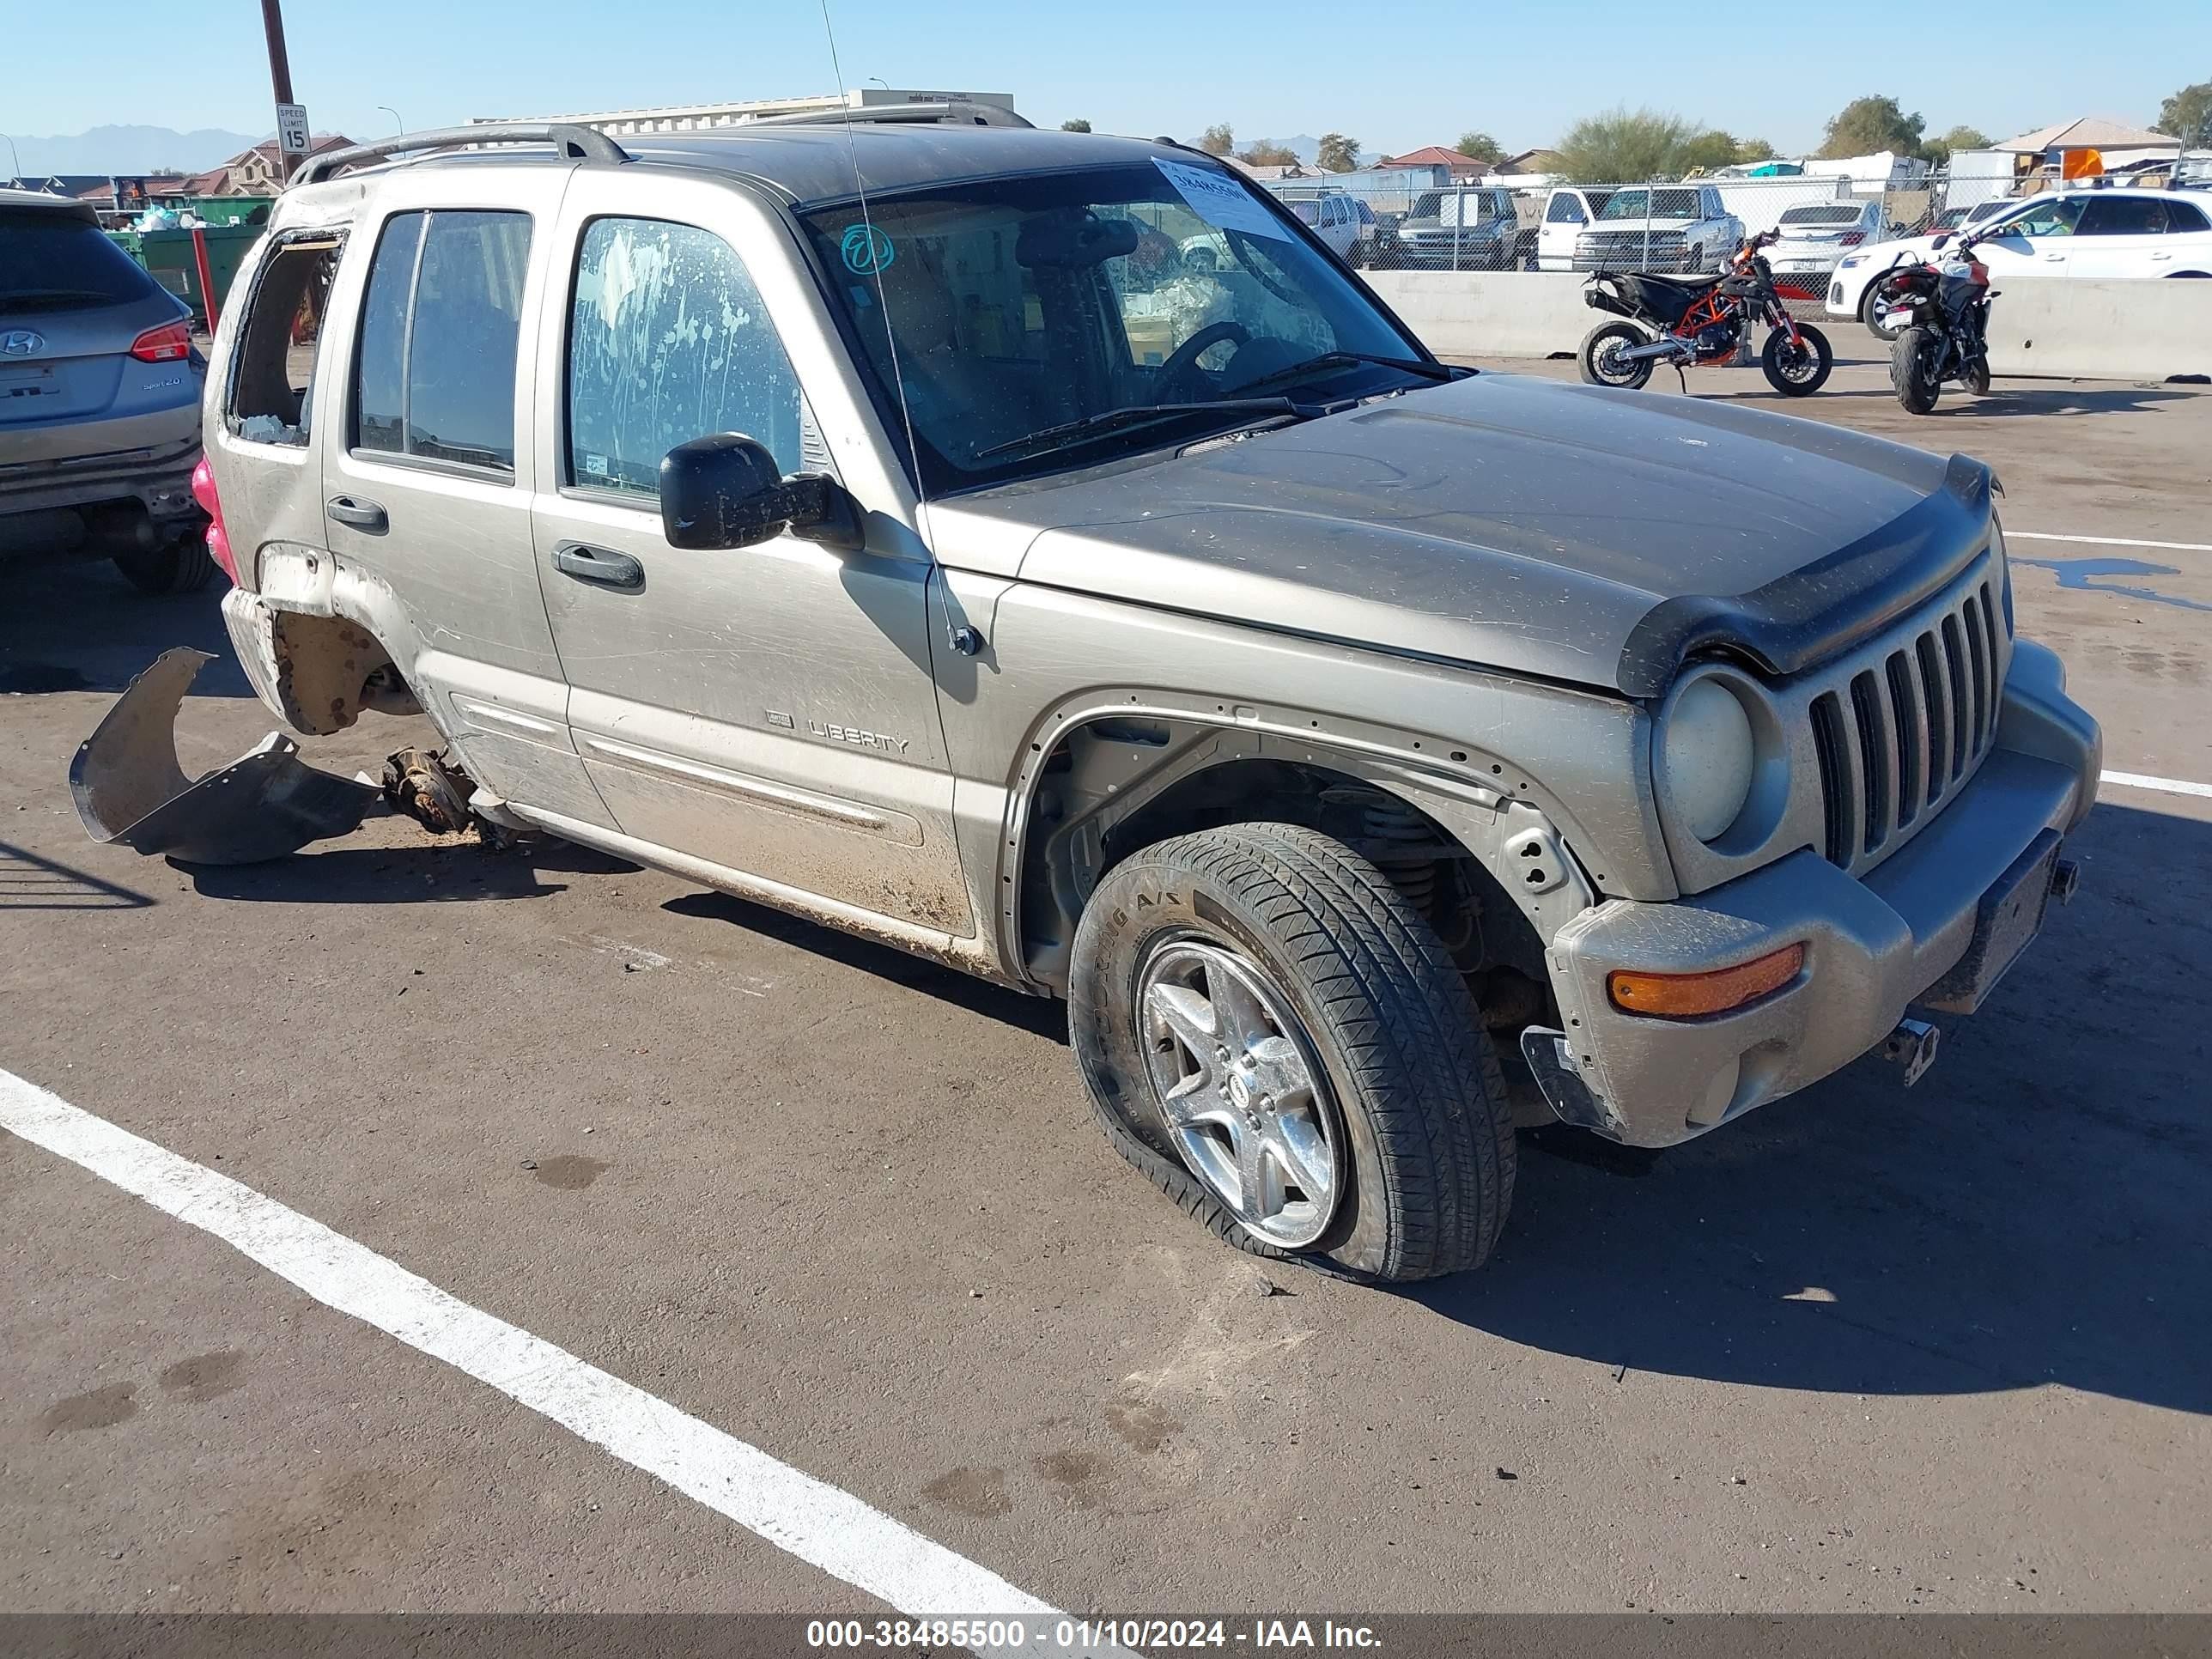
{"x": 1901, "y": 732}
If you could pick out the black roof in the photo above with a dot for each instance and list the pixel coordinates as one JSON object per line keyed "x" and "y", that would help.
{"x": 815, "y": 161}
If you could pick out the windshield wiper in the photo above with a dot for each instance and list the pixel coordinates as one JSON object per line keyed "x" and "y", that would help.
{"x": 1115, "y": 420}
{"x": 1345, "y": 359}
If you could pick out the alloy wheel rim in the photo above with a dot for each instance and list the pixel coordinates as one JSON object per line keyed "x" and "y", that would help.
{"x": 1235, "y": 1083}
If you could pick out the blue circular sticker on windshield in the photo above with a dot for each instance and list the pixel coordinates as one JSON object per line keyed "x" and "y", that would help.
{"x": 866, "y": 249}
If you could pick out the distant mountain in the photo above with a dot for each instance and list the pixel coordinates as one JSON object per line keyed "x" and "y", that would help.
{"x": 129, "y": 149}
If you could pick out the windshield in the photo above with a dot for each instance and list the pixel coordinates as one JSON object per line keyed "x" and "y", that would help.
{"x": 1665, "y": 205}
{"x": 1309, "y": 213}
{"x": 1023, "y": 303}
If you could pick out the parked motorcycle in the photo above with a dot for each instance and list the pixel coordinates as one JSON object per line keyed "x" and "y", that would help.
{"x": 1942, "y": 313}
{"x": 1700, "y": 319}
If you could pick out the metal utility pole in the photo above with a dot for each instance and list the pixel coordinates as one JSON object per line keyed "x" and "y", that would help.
{"x": 291, "y": 117}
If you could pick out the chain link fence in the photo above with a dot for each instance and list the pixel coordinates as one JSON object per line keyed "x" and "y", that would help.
{"x": 1410, "y": 219}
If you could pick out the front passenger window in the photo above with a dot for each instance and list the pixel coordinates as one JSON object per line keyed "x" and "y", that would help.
{"x": 668, "y": 341}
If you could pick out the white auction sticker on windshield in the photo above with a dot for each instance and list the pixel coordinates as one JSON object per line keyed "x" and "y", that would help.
{"x": 1221, "y": 201}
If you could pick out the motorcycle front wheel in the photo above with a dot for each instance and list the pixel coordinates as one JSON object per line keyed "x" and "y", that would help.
{"x": 1976, "y": 379}
{"x": 1600, "y": 356}
{"x": 1796, "y": 370}
{"x": 1917, "y": 388}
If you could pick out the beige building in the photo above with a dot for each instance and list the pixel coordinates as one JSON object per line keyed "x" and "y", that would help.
{"x": 256, "y": 172}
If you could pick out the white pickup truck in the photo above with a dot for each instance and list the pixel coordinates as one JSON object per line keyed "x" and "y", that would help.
{"x": 1670, "y": 228}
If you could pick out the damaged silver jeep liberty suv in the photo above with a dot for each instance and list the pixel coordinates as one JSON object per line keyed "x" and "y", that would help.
{"x": 1037, "y": 552}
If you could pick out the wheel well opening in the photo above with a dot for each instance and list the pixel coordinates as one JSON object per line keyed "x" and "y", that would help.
{"x": 1077, "y": 835}
{"x": 329, "y": 669}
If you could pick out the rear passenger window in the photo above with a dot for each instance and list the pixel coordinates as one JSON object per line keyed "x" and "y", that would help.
{"x": 434, "y": 374}
{"x": 668, "y": 341}
{"x": 272, "y": 387}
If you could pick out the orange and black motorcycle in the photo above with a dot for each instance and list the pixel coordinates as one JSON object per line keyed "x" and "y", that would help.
{"x": 1678, "y": 320}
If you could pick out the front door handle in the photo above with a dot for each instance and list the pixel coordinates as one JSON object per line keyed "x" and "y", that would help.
{"x": 597, "y": 564}
{"x": 368, "y": 517}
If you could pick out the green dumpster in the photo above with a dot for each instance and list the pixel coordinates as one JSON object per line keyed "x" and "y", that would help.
{"x": 167, "y": 257}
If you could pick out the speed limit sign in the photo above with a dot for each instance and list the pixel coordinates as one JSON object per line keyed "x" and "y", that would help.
{"x": 292, "y": 129}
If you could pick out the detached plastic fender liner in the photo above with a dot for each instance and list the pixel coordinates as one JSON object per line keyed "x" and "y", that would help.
{"x": 129, "y": 787}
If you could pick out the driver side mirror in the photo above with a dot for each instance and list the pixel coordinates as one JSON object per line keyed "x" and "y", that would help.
{"x": 726, "y": 491}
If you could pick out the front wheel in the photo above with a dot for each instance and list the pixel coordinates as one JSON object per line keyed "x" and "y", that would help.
{"x": 1910, "y": 363}
{"x": 1797, "y": 367}
{"x": 1275, "y": 1037}
{"x": 1601, "y": 359}
{"x": 1976, "y": 377}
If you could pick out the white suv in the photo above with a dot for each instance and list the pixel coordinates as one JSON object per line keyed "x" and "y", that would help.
{"x": 2082, "y": 233}
{"x": 1334, "y": 218}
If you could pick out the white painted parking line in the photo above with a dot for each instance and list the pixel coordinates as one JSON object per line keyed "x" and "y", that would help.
{"x": 812, "y": 1520}
{"x": 2012, "y": 535}
{"x": 2163, "y": 785}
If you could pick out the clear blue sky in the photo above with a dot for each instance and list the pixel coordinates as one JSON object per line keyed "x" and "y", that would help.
{"x": 1395, "y": 77}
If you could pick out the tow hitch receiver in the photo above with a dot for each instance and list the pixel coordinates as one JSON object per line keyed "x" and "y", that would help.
{"x": 1912, "y": 1045}
{"x": 129, "y": 787}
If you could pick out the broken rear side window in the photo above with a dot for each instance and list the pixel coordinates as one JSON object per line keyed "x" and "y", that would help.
{"x": 272, "y": 392}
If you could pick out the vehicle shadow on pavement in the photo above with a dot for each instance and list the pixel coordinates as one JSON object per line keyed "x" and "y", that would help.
{"x": 1044, "y": 1016}
{"x": 2003, "y": 400}
{"x": 80, "y": 627}
{"x": 441, "y": 873}
{"x": 2037, "y": 1210}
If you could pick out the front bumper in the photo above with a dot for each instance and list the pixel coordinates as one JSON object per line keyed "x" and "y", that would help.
{"x": 1874, "y": 946}
{"x": 1484, "y": 255}
{"x": 1659, "y": 261}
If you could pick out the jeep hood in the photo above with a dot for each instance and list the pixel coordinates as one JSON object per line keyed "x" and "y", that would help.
{"x": 1583, "y": 535}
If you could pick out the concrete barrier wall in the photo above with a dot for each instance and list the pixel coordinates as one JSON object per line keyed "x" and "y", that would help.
{"x": 1475, "y": 313}
{"x": 2102, "y": 330}
{"x": 2048, "y": 326}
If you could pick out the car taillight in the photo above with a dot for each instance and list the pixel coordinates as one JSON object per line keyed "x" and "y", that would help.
{"x": 218, "y": 538}
{"x": 1852, "y": 238}
{"x": 171, "y": 343}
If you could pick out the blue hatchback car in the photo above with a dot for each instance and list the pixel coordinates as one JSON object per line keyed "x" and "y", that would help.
{"x": 100, "y": 400}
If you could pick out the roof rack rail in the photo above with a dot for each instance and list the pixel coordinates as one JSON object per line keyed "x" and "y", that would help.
{"x": 576, "y": 143}
{"x": 964, "y": 111}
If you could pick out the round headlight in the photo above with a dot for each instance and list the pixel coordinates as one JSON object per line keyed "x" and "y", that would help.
{"x": 1708, "y": 755}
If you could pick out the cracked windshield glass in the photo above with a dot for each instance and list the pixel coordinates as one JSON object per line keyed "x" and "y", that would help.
{"x": 1031, "y": 304}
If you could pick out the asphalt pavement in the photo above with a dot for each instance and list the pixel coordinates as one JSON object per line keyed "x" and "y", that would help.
{"x": 1868, "y": 1349}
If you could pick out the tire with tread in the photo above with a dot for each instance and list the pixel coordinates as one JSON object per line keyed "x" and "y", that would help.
{"x": 181, "y": 565}
{"x": 1426, "y": 1135}
{"x": 1595, "y": 341}
{"x": 1824, "y": 356}
{"x": 1914, "y": 389}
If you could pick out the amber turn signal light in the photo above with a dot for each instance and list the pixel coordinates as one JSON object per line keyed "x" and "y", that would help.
{"x": 1685, "y": 996}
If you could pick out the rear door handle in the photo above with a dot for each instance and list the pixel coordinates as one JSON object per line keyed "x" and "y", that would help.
{"x": 368, "y": 517}
{"x": 597, "y": 564}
